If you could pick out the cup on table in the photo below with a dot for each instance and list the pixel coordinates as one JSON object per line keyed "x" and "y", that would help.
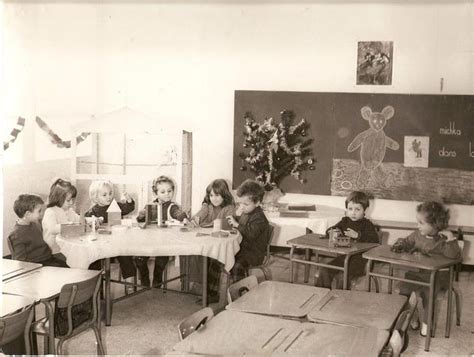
{"x": 217, "y": 225}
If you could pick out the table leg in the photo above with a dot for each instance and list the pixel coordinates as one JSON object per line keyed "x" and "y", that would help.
{"x": 345, "y": 281}
{"x": 307, "y": 254}
{"x": 390, "y": 281}
{"x": 186, "y": 271}
{"x": 430, "y": 310}
{"x": 291, "y": 263}
{"x": 204, "y": 281}
{"x": 50, "y": 313}
{"x": 450, "y": 302}
{"x": 108, "y": 295}
{"x": 368, "y": 270}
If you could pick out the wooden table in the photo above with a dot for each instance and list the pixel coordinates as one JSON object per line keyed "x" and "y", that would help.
{"x": 45, "y": 284}
{"x": 12, "y": 303}
{"x": 358, "y": 308}
{"x": 150, "y": 242}
{"x": 314, "y": 242}
{"x": 12, "y": 268}
{"x": 414, "y": 261}
{"x": 234, "y": 332}
{"x": 280, "y": 299}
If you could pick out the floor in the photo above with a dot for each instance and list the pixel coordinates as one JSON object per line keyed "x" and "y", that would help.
{"x": 146, "y": 324}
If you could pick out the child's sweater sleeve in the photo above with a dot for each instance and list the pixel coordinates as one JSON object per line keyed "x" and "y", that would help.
{"x": 452, "y": 250}
{"x": 126, "y": 207}
{"x": 18, "y": 246}
{"x": 202, "y": 213}
{"x": 368, "y": 233}
{"x": 177, "y": 213}
{"x": 227, "y": 211}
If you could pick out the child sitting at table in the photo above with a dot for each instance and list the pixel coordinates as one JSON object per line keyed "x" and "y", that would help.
{"x": 101, "y": 193}
{"x": 62, "y": 195}
{"x": 253, "y": 225}
{"x": 218, "y": 203}
{"x": 163, "y": 188}
{"x": 356, "y": 226}
{"x": 430, "y": 239}
{"x": 26, "y": 239}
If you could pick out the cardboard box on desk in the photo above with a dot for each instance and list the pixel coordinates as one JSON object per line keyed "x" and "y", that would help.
{"x": 71, "y": 230}
{"x": 114, "y": 214}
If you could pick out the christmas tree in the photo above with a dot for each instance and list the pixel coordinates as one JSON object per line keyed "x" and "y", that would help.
{"x": 277, "y": 150}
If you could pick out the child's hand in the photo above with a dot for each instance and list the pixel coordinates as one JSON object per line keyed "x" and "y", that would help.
{"x": 185, "y": 221}
{"x": 449, "y": 235}
{"x": 232, "y": 221}
{"x": 239, "y": 211}
{"x": 351, "y": 233}
{"x": 141, "y": 213}
{"x": 126, "y": 197}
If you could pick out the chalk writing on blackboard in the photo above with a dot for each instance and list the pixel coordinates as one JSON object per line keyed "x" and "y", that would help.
{"x": 373, "y": 143}
{"x": 451, "y": 130}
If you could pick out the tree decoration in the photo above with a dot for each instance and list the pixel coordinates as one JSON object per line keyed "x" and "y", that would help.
{"x": 277, "y": 150}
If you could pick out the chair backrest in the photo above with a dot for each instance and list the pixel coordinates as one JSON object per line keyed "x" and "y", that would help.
{"x": 14, "y": 325}
{"x": 397, "y": 340}
{"x": 77, "y": 295}
{"x": 239, "y": 288}
{"x": 194, "y": 322}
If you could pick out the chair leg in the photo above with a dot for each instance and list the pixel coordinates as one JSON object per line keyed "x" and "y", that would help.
{"x": 59, "y": 349}
{"x": 98, "y": 337}
{"x": 458, "y": 307}
{"x": 46, "y": 345}
{"x": 376, "y": 283}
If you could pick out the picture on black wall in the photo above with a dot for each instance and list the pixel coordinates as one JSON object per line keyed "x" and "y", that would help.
{"x": 374, "y": 62}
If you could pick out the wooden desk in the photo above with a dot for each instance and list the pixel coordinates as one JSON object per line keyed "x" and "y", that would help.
{"x": 313, "y": 242}
{"x": 280, "y": 299}
{"x": 12, "y": 303}
{"x": 45, "y": 284}
{"x": 415, "y": 261}
{"x": 233, "y": 332}
{"x": 150, "y": 242}
{"x": 358, "y": 308}
{"x": 12, "y": 268}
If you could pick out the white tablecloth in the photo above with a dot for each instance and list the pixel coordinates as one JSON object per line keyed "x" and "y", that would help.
{"x": 152, "y": 241}
{"x": 318, "y": 221}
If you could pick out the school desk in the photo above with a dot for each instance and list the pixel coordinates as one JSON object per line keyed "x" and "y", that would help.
{"x": 314, "y": 242}
{"x": 279, "y": 299}
{"x": 358, "y": 308}
{"x": 237, "y": 333}
{"x": 384, "y": 254}
{"x": 152, "y": 241}
{"x": 317, "y": 221}
{"x": 44, "y": 285}
{"x": 13, "y": 268}
{"x": 411, "y": 226}
{"x": 12, "y": 303}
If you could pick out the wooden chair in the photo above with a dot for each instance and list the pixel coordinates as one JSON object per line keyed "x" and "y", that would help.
{"x": 14, "y": 325}
{"x": 239, "y": 288}
{"x": 194, "y": 322}
{"x": 70, "y": 297}
{"x": 264, "y": 267}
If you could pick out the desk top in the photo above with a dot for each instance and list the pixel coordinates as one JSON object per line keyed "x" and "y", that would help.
{"x": 383, "y": 253}
{"x": 12, "y": 268}
{"x": 152, "y": 241}
{"x": 280, "y": 299}
{"x": 313, "y": 241}
{"x": 12, "y": 303}
{"x": 45, "y": 283}
{"x": 358, "y": 308}
{"x": 233, "y": 332}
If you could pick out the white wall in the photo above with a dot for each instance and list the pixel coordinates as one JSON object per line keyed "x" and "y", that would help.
{"x": 181, "y": 61}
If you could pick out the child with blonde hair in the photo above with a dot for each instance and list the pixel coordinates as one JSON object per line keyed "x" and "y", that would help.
{"x": 101, "y": 193}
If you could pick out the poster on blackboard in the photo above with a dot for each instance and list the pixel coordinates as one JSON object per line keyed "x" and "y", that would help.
{"x": 416, "y": 150}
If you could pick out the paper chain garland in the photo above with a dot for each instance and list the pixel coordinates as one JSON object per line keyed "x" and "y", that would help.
{"x": 20, "y": 125}
{"x": 276, "y": 150}
{"x": 54, "y": 138}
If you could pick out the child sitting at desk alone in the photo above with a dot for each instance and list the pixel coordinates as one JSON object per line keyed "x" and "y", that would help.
{"x": 254, "y": 227}
{"x": 430, "y": 238}
{"x": 163, "y": 188}
{"x": 101, "y": 194}
{"x": 62, "y": 195}
{"x": 26, "y": 239}
{"x": 356, "y": 226}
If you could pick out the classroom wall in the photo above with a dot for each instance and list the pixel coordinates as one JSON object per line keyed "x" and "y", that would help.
{"x": 180, "y": 62}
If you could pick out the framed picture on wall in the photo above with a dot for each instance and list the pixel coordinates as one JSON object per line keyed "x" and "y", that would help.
{"x": 374, "y": 62}
{"x": 416, "y": 151}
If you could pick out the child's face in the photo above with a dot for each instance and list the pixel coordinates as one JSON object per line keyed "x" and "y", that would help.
{"x": 68, "y": 202}
{"x": 215, "y": 199}
{"x": 424, "y": 227}
{"x": 105, "y": 196}
{"x": 355, "y": 211}
{"x": 36, "y": 215}
{"x": 164, "y": 192}
{"x": 246, "y": 205}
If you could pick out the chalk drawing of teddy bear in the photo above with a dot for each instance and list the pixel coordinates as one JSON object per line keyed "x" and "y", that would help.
{"x": 373, "y": 143}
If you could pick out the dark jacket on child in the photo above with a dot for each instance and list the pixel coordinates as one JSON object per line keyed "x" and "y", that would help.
{"x": 170, "y": 207}
{"x": 101, "y": 211}
{"x": 364, "y": 227}
{"x": 28, "y": 244}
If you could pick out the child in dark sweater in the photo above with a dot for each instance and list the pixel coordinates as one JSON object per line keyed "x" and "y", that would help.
{"x": 253, "y": 225}
{"x": 26, "y": 239}
{"x": 356, "y": 226}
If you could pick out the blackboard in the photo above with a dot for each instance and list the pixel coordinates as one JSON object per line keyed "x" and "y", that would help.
{"x": 447, "y": 121}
